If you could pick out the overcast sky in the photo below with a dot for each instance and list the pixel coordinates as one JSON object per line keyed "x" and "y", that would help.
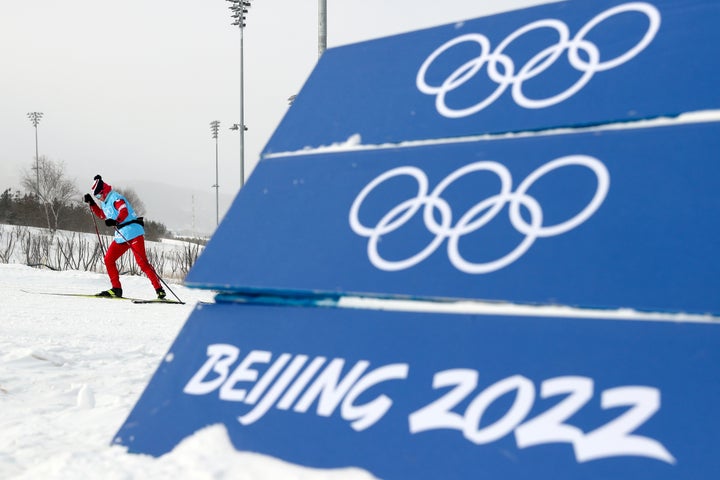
{"x": 128, "y": 88}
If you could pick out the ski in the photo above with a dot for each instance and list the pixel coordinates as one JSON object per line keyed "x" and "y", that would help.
{"x": 157, "y": 300}
{"x": 86, "y": 295}
{"x": 81, "y": 295}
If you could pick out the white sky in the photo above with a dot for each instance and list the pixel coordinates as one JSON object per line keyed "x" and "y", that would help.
{"x": 128, "y": 88}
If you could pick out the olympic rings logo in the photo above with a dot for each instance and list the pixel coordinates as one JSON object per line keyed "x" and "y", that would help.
{"x": 536, "y": 65}
{"x": 476, "y": 217}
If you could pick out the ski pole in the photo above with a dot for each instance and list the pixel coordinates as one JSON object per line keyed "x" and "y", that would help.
{"x": 150, "y": 264}
{"x": 97, "y": 232}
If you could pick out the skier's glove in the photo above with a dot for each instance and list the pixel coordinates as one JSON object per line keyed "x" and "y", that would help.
{"x": 88, "y": 199}
{"x": 110, "y": 222}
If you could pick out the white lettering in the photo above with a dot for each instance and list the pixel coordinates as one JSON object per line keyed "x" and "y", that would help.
{"x": 243, "y": 373}
{"x": 327, "y": 387}
{"x": 275, "y": 392}
{"x": 220, "y": 357}
{"x": 366, "y": 415}
{"x": 439, "y": 414}
{"x": 292, "y": 380}
{"x": 267, "y": 378}
{"x": 614, "y": 439}
{"x": 301, "y": 382}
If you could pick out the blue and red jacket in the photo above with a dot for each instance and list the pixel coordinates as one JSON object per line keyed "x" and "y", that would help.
{"x": 117, "y": 207}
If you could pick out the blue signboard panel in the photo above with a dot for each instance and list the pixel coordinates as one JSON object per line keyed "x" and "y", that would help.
{"x": 577, "y": 62}
{"x": 430, "y": 396}
{"x": 610, "y": 219}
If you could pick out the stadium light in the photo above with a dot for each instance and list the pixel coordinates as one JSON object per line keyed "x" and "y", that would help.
{"x": 35, "y": 118}
{"x": 239, "y": 9}
{"x": 214, "y": 128}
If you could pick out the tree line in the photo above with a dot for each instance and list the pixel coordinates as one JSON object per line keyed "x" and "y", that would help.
{"x": 52, "y": 201}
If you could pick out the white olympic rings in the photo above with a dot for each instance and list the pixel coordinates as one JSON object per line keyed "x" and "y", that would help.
{"x": 536, "y": 65}
{"x": 476, "y": 217}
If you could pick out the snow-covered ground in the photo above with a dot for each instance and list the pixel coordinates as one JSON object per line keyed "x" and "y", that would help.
{"x": 71, "y": 369}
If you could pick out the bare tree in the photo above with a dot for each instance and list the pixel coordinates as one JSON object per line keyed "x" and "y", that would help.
{"x": 54, "y": 191}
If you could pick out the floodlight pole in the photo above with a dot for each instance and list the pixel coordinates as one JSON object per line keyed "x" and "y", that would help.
{"x": 322, "y": 35}
{"x": 35, "y": 118}
{"x": 214, "y": 128}
{"x": 242, "y": 107}
{"x": 239, "y": 9}
{"x": 322, "y": 27}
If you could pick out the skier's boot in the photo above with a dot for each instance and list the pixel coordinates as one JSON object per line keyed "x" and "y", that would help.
{"x": 113, "y": 292}
{"x": 160, "y": 293}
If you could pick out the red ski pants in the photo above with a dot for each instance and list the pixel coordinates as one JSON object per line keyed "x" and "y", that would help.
{"x": 116, "y": 250}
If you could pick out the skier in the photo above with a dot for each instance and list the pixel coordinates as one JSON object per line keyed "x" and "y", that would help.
{"x": 129, "y": 234}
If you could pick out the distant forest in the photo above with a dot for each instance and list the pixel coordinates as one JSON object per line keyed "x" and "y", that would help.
{"x": 18, "y": 208}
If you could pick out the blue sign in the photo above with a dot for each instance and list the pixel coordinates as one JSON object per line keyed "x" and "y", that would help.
{"x": 429, "y": 208}
{"x": 577, "y": 62}
{"x": 429, "y": 396}
{"x": 609, "y": 219}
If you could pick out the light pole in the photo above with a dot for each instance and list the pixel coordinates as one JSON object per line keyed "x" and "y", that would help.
{"x": 322, "y": 27}
{"x": 35, "y": 118}
{"x": 322, "y": 35}
{"x": 239, "y": 9}
{"x": 214, "y": 128}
